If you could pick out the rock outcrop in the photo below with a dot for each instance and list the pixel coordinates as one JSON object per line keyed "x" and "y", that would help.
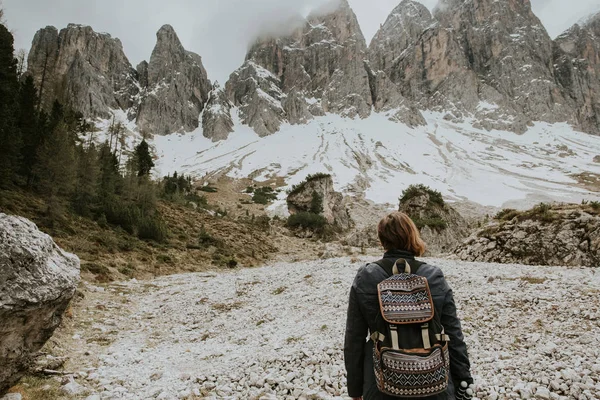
{"x": 301, "y": 199}
{"x": 89, "y": 72}
{"x": 83, "y": 69}
{"x": 442, "y": 228}
{"x": 177, "y": 90}
{"x": 216, "y": 118}
{"x": 559, "y": 235}
{"x": 256, "y": 92}
{"x": 37, "y": 282}
{"x": 318, "y": 68}
{"x": 491, "y": 61}
{"x": 577, "y": 65}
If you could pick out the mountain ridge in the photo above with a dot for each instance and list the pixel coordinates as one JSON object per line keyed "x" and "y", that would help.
{"x": 323, "y": 90}
{"x": 519, "y": 93}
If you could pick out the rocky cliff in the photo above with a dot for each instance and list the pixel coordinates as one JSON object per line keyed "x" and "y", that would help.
{"x": 177, "y": 87}
{"x": 216, "y": 119}
{"x": 318, "y": 68}
{"x": 90, "y": 72}
{"x": 545, "y": 235}
{"x": 488, "y": 62}
{"x": 577, "y": 65}
{"x": 82, "y": 68}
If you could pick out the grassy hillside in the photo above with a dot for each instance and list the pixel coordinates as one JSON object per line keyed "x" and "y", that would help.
{"x": 198, "y": 239}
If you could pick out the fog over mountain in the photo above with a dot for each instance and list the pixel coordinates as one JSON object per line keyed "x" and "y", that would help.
{"x": 221, "y": 31}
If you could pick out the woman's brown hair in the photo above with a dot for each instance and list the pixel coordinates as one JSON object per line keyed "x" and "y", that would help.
{"x": 398, "y": 232}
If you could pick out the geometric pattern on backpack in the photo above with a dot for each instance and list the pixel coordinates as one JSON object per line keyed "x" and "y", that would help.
{"x": 409, "y": 375}
{"x": 405, "y": 299}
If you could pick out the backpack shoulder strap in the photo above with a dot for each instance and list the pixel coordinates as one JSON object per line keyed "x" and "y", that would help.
{"x": 388, "y": 264}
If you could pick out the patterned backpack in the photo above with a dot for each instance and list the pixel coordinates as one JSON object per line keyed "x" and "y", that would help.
{"x": 411, "y": 358}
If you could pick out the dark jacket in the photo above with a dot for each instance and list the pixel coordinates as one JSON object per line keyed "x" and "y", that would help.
{"x": 364, "y": 318}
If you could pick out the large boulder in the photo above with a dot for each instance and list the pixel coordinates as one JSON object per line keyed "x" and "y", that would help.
{"x": 545, "y": 235}
{"x": 441, "y": 226}
{"x": 37, "y": 282}
{"x": 301, "y": 199}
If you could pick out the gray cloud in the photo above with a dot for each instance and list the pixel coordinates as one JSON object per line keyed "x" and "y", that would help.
{"x": 220, "y": 30}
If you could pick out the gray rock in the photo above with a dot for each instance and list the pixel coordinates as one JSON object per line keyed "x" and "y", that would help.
{"x": 257, "y": 92}
{"x": 178, "y": 87}
{"x": 508, "y": 48}
{"x": 427, "y": 214}
{"x": 83, "y": 69}
{"x": 37, "y": 282}
{"x": 535, "y": 237}
{"x": 577, "y": 68}
{"x": 142, "y": 70}
{"x": 216, "y": 119}
{"x": 401, "y": 30}
{"x": 387, "y": 97}
{"x": 322, "y": 61}
{"x": 73, "y": 388}
{"x": 334, "y": 207}
{"x": 12, "y": 396}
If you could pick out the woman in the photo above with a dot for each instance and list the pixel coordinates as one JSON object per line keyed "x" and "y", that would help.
{"x": 401, "y": 239}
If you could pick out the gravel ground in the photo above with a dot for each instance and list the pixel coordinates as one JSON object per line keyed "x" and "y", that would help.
{"x": 277, "y": 332}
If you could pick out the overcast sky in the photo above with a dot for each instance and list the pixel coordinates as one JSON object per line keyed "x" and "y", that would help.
{"x": 219, "y": 30}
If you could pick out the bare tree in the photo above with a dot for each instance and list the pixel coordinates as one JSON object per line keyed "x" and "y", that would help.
{"x": 21, "y": 57}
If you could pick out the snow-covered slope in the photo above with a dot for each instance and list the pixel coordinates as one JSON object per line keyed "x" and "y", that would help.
{"x": 381, "y": 158}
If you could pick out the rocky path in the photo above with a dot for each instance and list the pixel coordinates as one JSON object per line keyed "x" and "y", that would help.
{"x": 276, "y": 332}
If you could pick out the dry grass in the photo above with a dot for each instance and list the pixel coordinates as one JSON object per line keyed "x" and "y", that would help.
{"x": 37, "y": 388}
{"x": 279, "y": 290}
{"x": 532, "y": 280}
{"x": 109, "y": 253}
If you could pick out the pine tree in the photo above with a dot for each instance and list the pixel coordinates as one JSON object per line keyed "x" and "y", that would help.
{"x": 10, "y": 138}
{"x": 55, "y": 161}
{"x": 110, "y": 180}
{"x": 86, "y": 187}
{"x": 144, "y": 159}
{"x": 30, "y": 128}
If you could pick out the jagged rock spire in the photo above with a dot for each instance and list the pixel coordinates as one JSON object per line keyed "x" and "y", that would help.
{"x": 178, "y": 87}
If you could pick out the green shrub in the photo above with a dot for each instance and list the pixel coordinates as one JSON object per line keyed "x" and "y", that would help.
{"x": 152, "y": 228}
{"x": 165, "y": 259}
{"x": 128, "y": 270}
{"x": 595, "y": 205}
{"x": 264, "y": 195}
{"x": 206, "y": 240}
{"x": 249, "y": 190}
{"x": 413, "y": 191}
{"x": 208, "y": 189}
{"x": 306, "y": 220}
{"x": 102, "y": 222}
{"x": 263, "y": 222}
{"x": 316, "y": 203}
{"x": 507, "y": 214}
{"x": 435, "y": 222}
{"x": 96, "y": 269}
